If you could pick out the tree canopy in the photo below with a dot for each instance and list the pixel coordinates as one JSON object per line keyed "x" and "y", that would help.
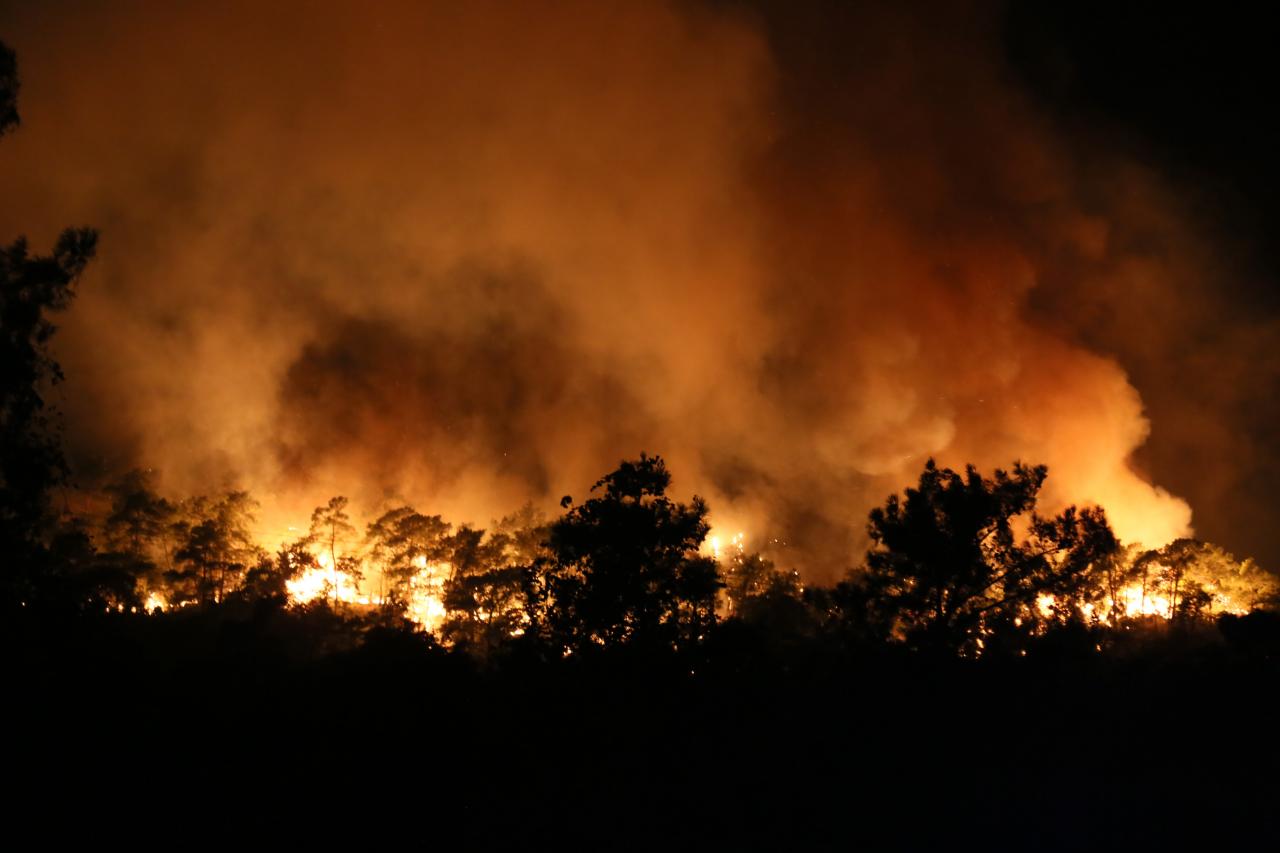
{"x": 32, "y": 287}
{"x": 960, "y": 556}
{"x": 626, "y": 563}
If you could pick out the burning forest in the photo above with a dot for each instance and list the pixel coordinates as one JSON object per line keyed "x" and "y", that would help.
{"x": 954, "y": 328}
{"x": 961, "y": 555}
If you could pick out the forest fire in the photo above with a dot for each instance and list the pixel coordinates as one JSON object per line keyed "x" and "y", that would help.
{"x": 423, "y": 604}
{"x": 718, "y": 549}
{"x": 469, "y": 368}
{"x": 1134, "y": 601}
{"x": 337, "y": 339}
{"x": 483, "y": 362}
{"x": 436, "y": 575}
{"x": 325, "y": 581}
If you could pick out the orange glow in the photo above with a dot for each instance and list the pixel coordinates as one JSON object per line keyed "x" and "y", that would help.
{"x": 324, "y": 581}
{"x": 719, "y": 546}
{"x": 886, "y": 339}
{"x": 425, "y": 604}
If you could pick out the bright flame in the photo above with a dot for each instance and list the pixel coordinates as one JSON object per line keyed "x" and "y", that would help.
{"x": 425, "y": 602}
{"x": 1133, "y": 601}
{"x": 424, "y": 605}
{"x": 324, "y": 581}
{"x": 1136, "y": 602}
{"x": 735, "y": 548}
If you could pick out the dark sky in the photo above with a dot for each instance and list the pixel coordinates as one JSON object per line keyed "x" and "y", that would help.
{"x": 1191, "y": 91}
{"x": 1191, "y": 87}
{"x": 471, "y": 254}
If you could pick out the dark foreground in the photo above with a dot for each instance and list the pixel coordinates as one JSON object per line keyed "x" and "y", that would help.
{"x": 175, "y": 729}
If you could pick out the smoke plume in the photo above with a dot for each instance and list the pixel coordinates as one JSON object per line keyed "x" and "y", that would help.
{"x": 470, "y": 255}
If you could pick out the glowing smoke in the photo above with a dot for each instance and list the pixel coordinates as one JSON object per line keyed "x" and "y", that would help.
{"x": 472, "y": 254}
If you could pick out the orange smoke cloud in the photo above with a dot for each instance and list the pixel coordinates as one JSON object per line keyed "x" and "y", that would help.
{"x": 471, "y": 254}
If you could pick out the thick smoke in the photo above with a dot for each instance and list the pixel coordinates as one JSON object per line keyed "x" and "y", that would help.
{"x": 470, "y": 255}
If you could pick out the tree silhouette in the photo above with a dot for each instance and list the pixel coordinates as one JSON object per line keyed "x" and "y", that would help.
{"x": 84, "y": 579}
{"x": 330, "y": 525}
{"x": 139, "y": 526}
{"x": 31, "y": 459}
{"x": 626, "y": 564}
{"x": 469, "y": 553}
{"x": 1193, "y": 578}
{"x": 216, "y": 549}
{"x": 139, "y": 519}
{"x": 403, "y": 542}
{"x": 948, "y": 569}
{"x": 487, "y": 603}
{"x": 484, "y": 609}
{"x": 759, "y": 594}
{"x": 1116, "y": 574}
{"x": 265, "y": 580}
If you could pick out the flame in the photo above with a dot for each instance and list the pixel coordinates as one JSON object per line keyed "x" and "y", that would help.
{"x": 1133, "y": 601}
{"x": 425, "y": 603}
{"x": 1137, "y": 602}
{"x": 325, "y": 581}
{"x": 735, "y": 548}
{"x": 423, "y": 593}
